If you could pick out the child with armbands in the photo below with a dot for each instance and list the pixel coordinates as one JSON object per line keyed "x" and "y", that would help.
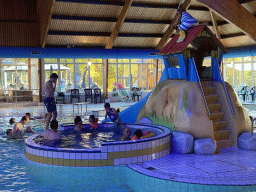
{"x": 142, "y": 135}
{"x": 93, "y": 122}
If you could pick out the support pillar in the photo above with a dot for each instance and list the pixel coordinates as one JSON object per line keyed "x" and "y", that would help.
{"x": 105, "y": 78}
{"x": 41, "y": 78}
{"x": 155, "y": 72}
{"x": 29, "y": 73}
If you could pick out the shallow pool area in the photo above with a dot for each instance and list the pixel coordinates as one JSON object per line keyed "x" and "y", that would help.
{"x": 20, "y": 174}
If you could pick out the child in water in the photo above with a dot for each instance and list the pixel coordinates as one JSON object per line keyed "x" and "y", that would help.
{"x": 142, "y": 135}
{"x": 114, "y": 117}
{"x": 79, "y": 123}
{"x": 93, "y": 122}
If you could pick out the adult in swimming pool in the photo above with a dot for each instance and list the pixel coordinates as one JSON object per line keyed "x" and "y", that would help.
{"x": 49, "y": 99}
{"x": 18, "y": 128}
{"x": 52, "y": 135}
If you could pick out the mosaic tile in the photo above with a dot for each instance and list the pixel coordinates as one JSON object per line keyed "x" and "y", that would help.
{"x": 116, "y": 161}
{"x": 104, "y": 156}
{"x": 116, "y": 148}
{"x": 66, "y": 155}
{"x": 85, "y": 156}
{"x": 79, "y": 156}
{"x": 110, "y": 148}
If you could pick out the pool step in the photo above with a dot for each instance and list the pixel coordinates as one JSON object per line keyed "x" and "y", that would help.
{"x": 217, "y": 116}
{"x": 214, "y": 107}
{"x": 219, "y": 125}
{"x": 224, "y": 143}
{"x": 211, "y": 98}
{"x": 209, "y": 90}
{"x": 221, "y": 134}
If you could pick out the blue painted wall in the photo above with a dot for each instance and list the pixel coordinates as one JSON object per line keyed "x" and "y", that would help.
{"x": 22, "y": 52}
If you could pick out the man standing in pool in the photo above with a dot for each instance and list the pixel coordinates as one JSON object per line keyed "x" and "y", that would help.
{"x": 49, "y": 99}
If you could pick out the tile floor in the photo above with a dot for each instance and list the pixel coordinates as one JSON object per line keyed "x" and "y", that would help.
{"x": 231, "y": 167}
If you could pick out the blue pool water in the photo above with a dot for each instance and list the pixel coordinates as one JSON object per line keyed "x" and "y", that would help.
{"x": 19, "y": 174}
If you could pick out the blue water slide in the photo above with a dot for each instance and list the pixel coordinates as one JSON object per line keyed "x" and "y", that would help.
{"x": 130, "y": 114}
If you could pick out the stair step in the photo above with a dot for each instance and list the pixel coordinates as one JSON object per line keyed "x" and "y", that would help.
{"x": 219, "y": 125}
{"x": 214, "y": 107}
{"x": 209, "y": 90}
{"x": 224, "y": 143}
{"x": 221, "y": 134}
{"x": 212, "y": 98}
{"x": 217, "y": 116}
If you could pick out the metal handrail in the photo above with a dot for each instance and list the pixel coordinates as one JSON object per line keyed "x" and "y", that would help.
{"x": 226, "y": 91}
{"x": 201, "y": 87}
{"x": 252, "y": 127}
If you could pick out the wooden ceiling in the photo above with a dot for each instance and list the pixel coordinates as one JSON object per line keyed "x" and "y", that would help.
{"x": 119, "y": 23}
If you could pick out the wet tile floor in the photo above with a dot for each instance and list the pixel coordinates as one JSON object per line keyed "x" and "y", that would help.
{"x": 231, "y": 167}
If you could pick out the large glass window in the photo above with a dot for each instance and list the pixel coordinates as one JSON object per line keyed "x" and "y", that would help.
{"x": 123, "y": 73}
{"x": 112, "y": 74}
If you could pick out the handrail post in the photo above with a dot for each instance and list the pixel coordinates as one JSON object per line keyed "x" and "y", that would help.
{"x": 201, "y": 87}
{"x": 226, "y": 91}
{"x": 252, "y": 127}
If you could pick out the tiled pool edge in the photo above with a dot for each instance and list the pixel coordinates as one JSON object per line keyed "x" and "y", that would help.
{"x": 110, "y": 154}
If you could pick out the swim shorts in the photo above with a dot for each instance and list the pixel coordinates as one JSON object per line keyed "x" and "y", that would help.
{"x": 50, "y": 104}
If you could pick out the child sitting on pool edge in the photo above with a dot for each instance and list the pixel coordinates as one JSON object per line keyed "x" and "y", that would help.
{"x": 79, "y": 123}
{"x": 93, "y": 122}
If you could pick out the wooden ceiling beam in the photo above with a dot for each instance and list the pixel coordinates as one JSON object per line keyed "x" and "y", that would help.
{"x": 44, "y": 14}
{"x": 118, "y": 25}
{"x": 170, "y": 29}
{"x": 113, "y": 19}
{"x": 235, "y": 13}
{"x": 134, "y": 4}
{"x": 215, "y": 25}
{"x": 142, "y": 35}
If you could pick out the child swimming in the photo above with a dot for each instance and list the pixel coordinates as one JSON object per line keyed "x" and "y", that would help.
{"x": 93, "y": 122}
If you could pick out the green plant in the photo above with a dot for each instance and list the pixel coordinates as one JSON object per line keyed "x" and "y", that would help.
{"x": 164, "y": 121}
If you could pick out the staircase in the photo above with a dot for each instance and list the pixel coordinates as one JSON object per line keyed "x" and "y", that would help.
{"x": 221, "y": 134}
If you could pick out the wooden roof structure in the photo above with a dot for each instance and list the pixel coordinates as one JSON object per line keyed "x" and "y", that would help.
{"x": 200, "y": 37}
{"x": 119, "y": 23}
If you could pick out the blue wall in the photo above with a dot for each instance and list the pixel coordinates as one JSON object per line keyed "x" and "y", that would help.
{"x": 241, "y": 52}
{"x": 22, "y": 52}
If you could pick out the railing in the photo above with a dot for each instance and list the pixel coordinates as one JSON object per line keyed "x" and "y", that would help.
{"x": 13, "y": 96}
{"x": 201, "y": 87}
{"x": 252, "y": 127}
{"x": 226, "y": 91}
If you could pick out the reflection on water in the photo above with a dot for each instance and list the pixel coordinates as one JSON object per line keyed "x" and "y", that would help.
{"x": 91, "y": 140}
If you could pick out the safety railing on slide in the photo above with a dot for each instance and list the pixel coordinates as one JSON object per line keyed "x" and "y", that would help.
{"x": 226, "y": 91}
{"x": 197, "y": 75}
{"x": 252, "y": 128}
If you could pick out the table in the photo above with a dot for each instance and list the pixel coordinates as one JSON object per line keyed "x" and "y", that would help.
{"x": 79, "y": 104}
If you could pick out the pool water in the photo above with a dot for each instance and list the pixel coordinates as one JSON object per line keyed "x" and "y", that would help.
{"x": 89, "y": 140}
{"x": 19, "y": 174}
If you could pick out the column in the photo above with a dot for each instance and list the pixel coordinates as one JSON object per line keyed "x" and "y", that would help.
{"x": 105, "y": 77}
{"x": 59, "y": 76}
{"x": 130, "y": 75}
{"x": 155, "y": 72}
{"x": 41, "y": 78}
{"x": 252, "y": 76}
{"x": 29, "y": 73}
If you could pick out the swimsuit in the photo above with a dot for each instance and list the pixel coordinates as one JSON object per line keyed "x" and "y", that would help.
{"x": 50, "y": 104}
{"x": 112, "y": 116}
{"x": 187, "y": 21}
